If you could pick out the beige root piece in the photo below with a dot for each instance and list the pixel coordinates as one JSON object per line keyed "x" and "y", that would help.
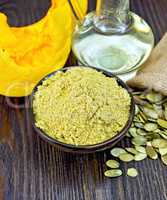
{"x": 153, "y": 74}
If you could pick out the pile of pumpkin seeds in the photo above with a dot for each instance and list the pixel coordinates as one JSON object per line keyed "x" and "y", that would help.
{"x": 148, "y": 134}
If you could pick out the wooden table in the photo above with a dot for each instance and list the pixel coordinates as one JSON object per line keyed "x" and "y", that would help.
{"x": 30, "y": 169}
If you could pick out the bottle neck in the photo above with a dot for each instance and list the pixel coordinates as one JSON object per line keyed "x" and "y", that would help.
{"x": 112, "y": 16}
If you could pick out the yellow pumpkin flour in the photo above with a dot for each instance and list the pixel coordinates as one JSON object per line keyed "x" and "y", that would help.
{"x": 81, "y": 107}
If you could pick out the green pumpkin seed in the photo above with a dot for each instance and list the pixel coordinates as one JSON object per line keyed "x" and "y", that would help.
{"x": 134, "y": 142}
{"x": 136, "y": 120}
{"x": 133, "y": 132}
{"x": 128, "y": 135}
{"x": 140, "y": 149}
{"x": 150, "y": 133}
{"x": 152, "y": 120}
{"x": 164, "y": 159}
{"x": 140, "y": 156}
{"x": 139, "y": 125}
{"x": 143, "y": 96}
{"x": 157, "y": 131}
{"x": 142, "y": 117}
{"x": 131, "y": 150}
{"x": 165, "y": 132}
{"x": 141, "y": 132}
{"x": 151, "y": 152}
{"x": 132, "y": 125}
{"x": 159, "y": 110}
{"x": 162, "y": 123}
{"x": 116, "y": 152}
{"x": 136, "y": 109}
{"x": 163, "y": 151}
{"x": 154, "y": 97}
{"x": 150, "y": 137}
{"x": 139, "y": 140}
{"x": 150, "y": 113}
{"x": 150, "y": 106}
{"x": 137, "y": 93}
{"x": 112, "y": 164}
{"x": 132, "y": 172}
{"x": 150, "y": 127}
{"x": 156, "y": 136}
{"x": 162, "y": 102}
{"x": 159, "y": 143}
{"x": 126, "y": 157}
{"x": 157, "y": 150}
{"x": 112, "y": 173}
{"x": 163, "y": 135}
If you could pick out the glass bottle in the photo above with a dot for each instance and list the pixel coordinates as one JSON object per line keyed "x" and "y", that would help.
{"x": 113, "y": 38}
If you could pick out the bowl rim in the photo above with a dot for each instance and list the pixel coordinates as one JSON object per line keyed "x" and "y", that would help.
{"x": 92, "y": 147}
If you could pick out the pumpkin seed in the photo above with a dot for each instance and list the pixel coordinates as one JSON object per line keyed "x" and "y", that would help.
{"x": 131, "y": 150}
{"x": 163, "y": 135}
{"x": 112, "y": 173}
{"x": 137, "y": 93}
{"x": 132, "y": 132}
{"x": 159, "y": 143}
{"x": 150, "y": 113}
{"x": 162, "y": 123}
{"x": 140, "y": 156}
{"x": 116, "y": 152}
{"x": 162, "y": 102}
{"x": 140, "y": 149}
{"x": 164, "y": 159}
{"x": 136, "y": 109}
{"x": 139, "y": 140}
{"x": 157, "y": 150}
{"x": 150, "y": 127}
{"x": 128, "y": 135}
{"x": 163, "y": 151}
{"x": 165, "y": 132}
{"x": 132, "y": 125}
{"x": 112, "y": 164}
{"x": 143, "y": 117}
{"x": 159, "y": 110}
{"x": 141, "y": 132}
{"x": 156, "y": 136}
{"x": 126, "y": 157}
{"x": 150, "y": 105}
{"x": 136, "y": 120}
{"x": 150, "y": 137}
{"x": 132, "y": 172}
{"x": 139, "y": 125}
{"x": 143, "y": 96}
{"x": 151, "y": 152}
{"x": 152, "y": 120}
{"x": 154, "y": 97}
{"x": 157, "y": 131}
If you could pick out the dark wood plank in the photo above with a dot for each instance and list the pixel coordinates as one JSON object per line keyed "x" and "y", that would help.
{"x": 30, "y": 169}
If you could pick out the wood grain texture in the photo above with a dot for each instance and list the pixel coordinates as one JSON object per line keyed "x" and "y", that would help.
{"x": 30, "y": 169}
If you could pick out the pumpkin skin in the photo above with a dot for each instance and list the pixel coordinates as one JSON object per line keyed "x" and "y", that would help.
{"x": 29, "y": 53}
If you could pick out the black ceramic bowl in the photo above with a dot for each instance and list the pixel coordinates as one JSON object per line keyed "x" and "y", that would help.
{"x": 85, "y": 148}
